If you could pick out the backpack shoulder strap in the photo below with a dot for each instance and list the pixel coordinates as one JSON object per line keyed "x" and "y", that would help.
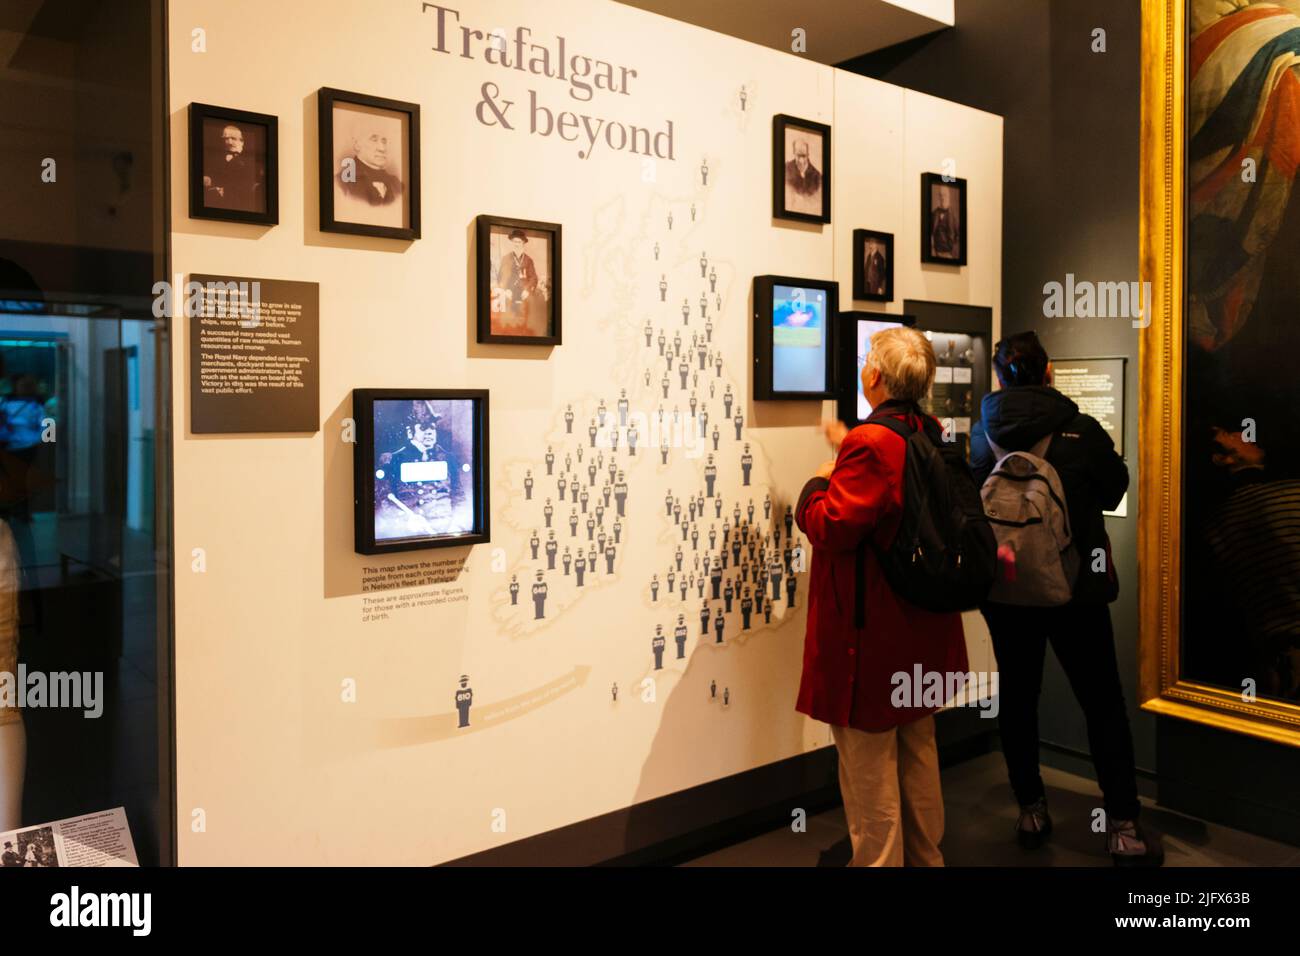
{"x": 895, "y": 425}
{"x": 1039, "y": 449}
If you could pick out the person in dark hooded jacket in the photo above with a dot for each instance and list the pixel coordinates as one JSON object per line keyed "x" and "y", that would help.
{"x": 1094, "y": 479}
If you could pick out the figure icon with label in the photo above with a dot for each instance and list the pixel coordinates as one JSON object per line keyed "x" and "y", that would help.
{"x": 775, "y": 571}
{"x": 727, "y": 400}
{"x": 534, "y": 543}
{"x": 728, "y": 592}
{"x": 708, "y": 333}
{"x": 620, "y": 495}
{"x": 739, "y": 421}
{"x": 552, "y": 549}
{"x": 528, "y": 485}
{"x": 744, "y": 96}
{"x": 684, "y": 370}
{"x": 573, "y": 523}
{"x": 580, "y": 566}
{"x": 657, "y": 645}
{"x": 718, "y": 625}
{"x": 550, "y": 460}
{"x": 704, "y": 171}
{"x": 692, "y": 212}
{"x": 609, "y": 557}
{"x": 679, "y": 635}
{"x": 746, "y": 608}
{"x": 464, "y": 700}
{"x": 631, "y": 439}
{"x": 704, "y": 619}
{"x": 746, "y": 466}
{"x": 514, "y": 589}
{"x": 622, "y": 408}
{"x": 713, "y": 283}
{"x": 562, "y": 484}
{"x": 790, "y": 584}
{"x": 618, "y": 530}
{"x": 767, "y": 506}
{"x": 704, "y": 305}
{"x": 686, "y": 312}
{"x": 654, "y": 587}
{"x": 613, "y": 690}
{"x": 539, "y": 596}
{"x": 601, "y": 412}
{"x": 716, "y": 438}
{"x": 789, "y": 521}
{"x": 567, "y": 560}
{"x": 568, "y": 420}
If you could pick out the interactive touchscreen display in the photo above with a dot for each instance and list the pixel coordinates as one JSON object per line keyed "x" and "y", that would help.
{"x": 799, "y": 318}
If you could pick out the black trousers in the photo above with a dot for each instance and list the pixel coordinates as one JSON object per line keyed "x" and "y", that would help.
{"x": 1082, "y": 639}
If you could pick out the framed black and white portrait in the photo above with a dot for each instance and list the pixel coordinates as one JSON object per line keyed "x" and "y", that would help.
{"x": 801, "y": 169}
{"x": 873, "y": 265}
{"x": 234, "y": 170}
{"x": 518, "y": 273}
{"x": 943, "y": 219}
{"x": 420, "y": 468}
{"x": 369, "y": 165}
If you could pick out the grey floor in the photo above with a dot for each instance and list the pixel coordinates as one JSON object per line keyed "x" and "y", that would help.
{"x": 980, "y": 820}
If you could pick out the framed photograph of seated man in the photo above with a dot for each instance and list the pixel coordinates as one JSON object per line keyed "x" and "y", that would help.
{"x": 369, "y": 165}
{"x": 420, "y": 466}
{"x": 873, "y": 265}
{"x": 518, "y": 271}
{"x": 801, "y": 169}
{"x": 1218, "y": 442}
{"x": 234, "y": 165}
{"x": 943, "y": 220}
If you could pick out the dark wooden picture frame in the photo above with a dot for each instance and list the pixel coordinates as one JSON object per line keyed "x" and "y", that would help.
{"x": 764, "y": 366}
{"x": 199, "y": 206}
{"x": 928, "y": 181}
{"x": 326, "y": 98}
{"x": 780, "y": 123}
{"x": 364, "y": 466}
{"x": 860, "y": 237}
{"x": 483, "y": 227}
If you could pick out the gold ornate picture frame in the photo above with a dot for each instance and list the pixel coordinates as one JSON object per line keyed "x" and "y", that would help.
{"x": 1163, "y": 256}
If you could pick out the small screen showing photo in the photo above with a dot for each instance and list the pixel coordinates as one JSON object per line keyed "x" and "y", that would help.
{"x": 866, "y": 329}
{"x": 798, "y": 339}
{"x": 424, "y": 469}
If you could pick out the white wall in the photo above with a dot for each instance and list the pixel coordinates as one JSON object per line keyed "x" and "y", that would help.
{"x": 267, "y": 633}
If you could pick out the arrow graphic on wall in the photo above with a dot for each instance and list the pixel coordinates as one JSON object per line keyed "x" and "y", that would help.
{"x": 409, "y": 731}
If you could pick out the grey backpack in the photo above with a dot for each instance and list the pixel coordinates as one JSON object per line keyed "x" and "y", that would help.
{"x": 1025, "y": 505}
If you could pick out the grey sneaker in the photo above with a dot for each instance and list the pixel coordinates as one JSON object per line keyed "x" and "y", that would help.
{"x": 1129, "y": 846}
{"x": 1034, "y": 824}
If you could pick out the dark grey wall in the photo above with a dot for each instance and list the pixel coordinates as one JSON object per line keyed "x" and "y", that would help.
{"x": 1070, "y": 187}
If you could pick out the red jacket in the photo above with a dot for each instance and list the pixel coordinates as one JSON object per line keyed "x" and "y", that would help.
{"x": 848, "y": 671}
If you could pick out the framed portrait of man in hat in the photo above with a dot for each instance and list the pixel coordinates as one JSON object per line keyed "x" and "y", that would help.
{"x": 369, "y": 165}
{"x": 518, "y": 281}
{"x": 420, "y": 468}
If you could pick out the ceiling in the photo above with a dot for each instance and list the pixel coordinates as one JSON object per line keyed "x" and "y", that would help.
{"x": 834, "y": 30}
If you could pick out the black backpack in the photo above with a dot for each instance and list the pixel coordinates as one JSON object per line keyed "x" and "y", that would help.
{"x": 944, "y": 556}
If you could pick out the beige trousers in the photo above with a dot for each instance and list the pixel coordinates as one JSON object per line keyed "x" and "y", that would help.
{"x": 890, "y": 785}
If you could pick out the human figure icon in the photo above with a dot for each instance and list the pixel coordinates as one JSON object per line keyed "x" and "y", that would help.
{"x": 746, "y": 608}
{"x": 767, "y": 613}
{"x": 684, "y": 370}
{"x": 703, "y": 419}
{"x": 727, "y": 399}
{"x": 744, "y": 95}
{"x": 710, "y": 476}
{"x": 622, "y": 408}
{"x": 567, "y": 560}
{"x": 600, "y": 541}
{"x": 591, "y": 527}
{"x": 704, "y": 305}
{"x": 735, "y": 551}
{"x": 670, "y": 220}
{"x": 613, "y": 467}
{"x": 618, "y": 531}
{"x": 632, "y": 435}
{"x": 464, "y": 700}
{"x": 535, "y": 543}
{"x": 600, "y": 513}
{"x": 704, "y": 619}
{"x": 547, "y": 511}
{"x": 683, "y": 584}
{"x": 708, "y": 331}
{"x": 668, "y": 503}
{"x": 695, "y": 538}
{"x": 649, "y": 333}
{"x": 728, "y": 592}
{"x": 789, "y": 521}
{"x": 654, "y": 587}
{"x": 715, "y": 578}
{"x": 677, "y": 512}
{"x": 528, "y": 485}
{"x": 514, "y": 589}
{"x": 539, "y": 596}
{"x": 704, "y": 172}
{"x": 726, "y": 697}
{"x": 573, "y": 523}
{"x": 760, "y": 586}
{"x": 791, "y": 583}
{"x": 767, "y": 507}
{"x": 580, "y": 566}
{"x": 656, "y": 252}
{"x": 583, "y": 497}
{"x": 609, "y": 557}
{"x": 692, "y": 212}
{"x": 718, "y": 301}
{"x": 693, "y": 404}
{"x": 746, "y": 464}
{"x": 713, "y": 282}
{"x": 552, "y": 549}
{"x": 690, "y": 507}
{"x": 713, "y": 690}
{"x": 563, "y": 485}
{"x": 613, "y": 440}
{"x": 591, "y": 474}
{"x": 657, "y": 645}
{"x": 749, "y": 510}
{"x": 775, "y": 572}
{"x": 601, "y": 412}
{"x": 592, "y": 431}
{"x": 605, "y": 492}
{"x": 679, "y": 635}
{"x": 686, "y": 312}
{"x": 663, "y": 450}
{"x": 663, "y": 288}
{"x": 620, "y": 495}
{"x": 663, "y": 340}
{"x": 718, "y": 625}
{"x": 568, "y": 420}
{"x": 717, "y": 436}
{"x": 738, "y": 420}
{"x": 713, "y": 538}
{"x": 579, "y": 448}
{"x": 671, "y": 575}
{"x": 614, "y": 691}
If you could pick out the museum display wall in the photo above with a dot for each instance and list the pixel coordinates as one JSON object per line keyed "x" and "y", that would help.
{"x": 413, "y": 707}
